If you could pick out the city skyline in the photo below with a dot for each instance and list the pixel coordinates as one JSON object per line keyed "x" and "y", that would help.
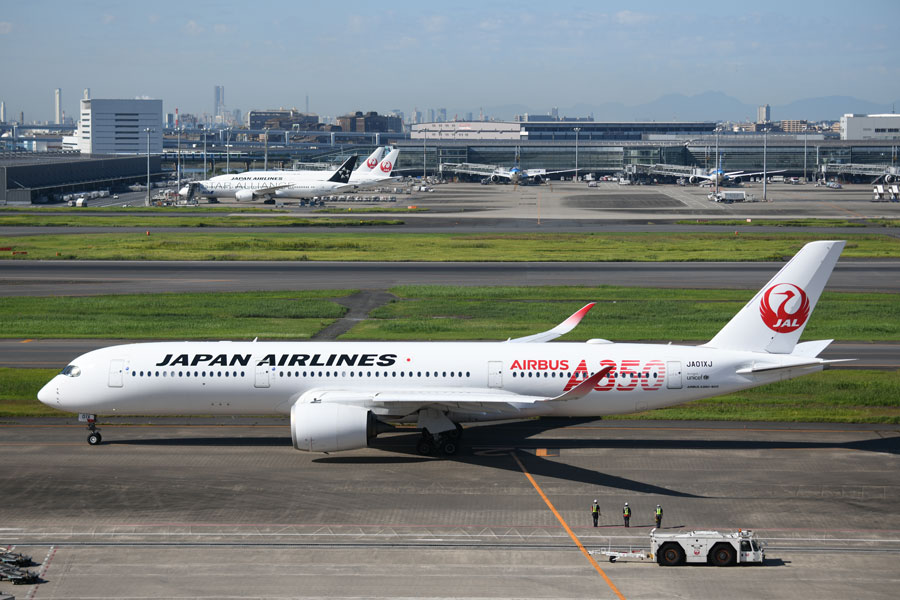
{"x": 405, "y": 57}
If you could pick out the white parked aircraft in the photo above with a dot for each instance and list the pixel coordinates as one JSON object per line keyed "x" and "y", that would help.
{"x": 340, "y": 395}
{"x": 497, "y": 174}
{"x": 378, "y": 175}
{"x": 265, "y": 185}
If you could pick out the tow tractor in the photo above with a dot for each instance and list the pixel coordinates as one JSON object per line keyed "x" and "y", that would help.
{"x": 706, "y": 547}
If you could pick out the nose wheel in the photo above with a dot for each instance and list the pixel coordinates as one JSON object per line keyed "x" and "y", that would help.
{"x": 94, "y": 438}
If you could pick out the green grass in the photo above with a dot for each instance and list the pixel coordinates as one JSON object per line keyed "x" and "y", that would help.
{"x": 831, "y": 396}
{"x": 152, "y": 220}
{"x": 795, "y": 222}
{"x": 484, "y": 313}
{"x": 362, "y": 246}
{"x": 837, "y": 396}
{"x": 229, "y": 315}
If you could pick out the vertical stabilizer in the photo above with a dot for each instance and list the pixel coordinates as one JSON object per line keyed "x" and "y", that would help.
{"x": 387, "y": 163}
{"x": 774, "y": 319}
{"x": 372, "y": 161}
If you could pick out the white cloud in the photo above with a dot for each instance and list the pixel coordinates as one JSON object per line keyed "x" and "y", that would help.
{"x": 107, "y": 19}
{"x": 192, "y": 28}
{"x": 434, "y": 23}
{"x": 5, "y": 27}
{"x": 221, "y": 28}
{"x": 629, "y": 17}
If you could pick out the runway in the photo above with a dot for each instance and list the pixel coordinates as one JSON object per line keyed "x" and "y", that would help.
{"x": 46, "y": 278}
{"x": 224, "y": 508}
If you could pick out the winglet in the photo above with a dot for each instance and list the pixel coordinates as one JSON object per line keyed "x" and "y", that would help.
{"x": 561, "y": 329}
{"x": 584, "y": 388}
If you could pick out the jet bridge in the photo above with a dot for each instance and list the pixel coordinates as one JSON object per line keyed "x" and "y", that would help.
{"x": 889, "y": 173}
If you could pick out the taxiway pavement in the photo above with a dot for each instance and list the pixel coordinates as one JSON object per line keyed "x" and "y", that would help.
{"x": 225, "y": 508}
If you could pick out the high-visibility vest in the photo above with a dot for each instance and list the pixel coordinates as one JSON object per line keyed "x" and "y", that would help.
{"x": 627, "y": 511}
{"x": 595, "y": 508}
{"x": 658, "y": 511}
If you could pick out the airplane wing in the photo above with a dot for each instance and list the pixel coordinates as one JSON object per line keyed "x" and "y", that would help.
{"x": 477, "y": 400}
{"x": 742, "y": 174}
{"x": 475, "y": 169}
{"x": 561, "y": 329}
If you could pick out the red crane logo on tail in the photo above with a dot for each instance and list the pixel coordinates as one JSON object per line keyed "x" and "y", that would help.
{"x": 386, "y": 166}
{"x": 372, "y": 163}
{"x": 784, "y": 307}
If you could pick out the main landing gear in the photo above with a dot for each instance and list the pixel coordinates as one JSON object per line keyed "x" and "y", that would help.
{"x": 445, "y": 443}
{"x": 94, "y": 437}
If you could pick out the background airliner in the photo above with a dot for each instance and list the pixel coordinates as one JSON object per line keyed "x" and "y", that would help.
{"x": 379, "y": 174}
{"x": 340, "y": 395}
{"x": 265, "y": 185}
{"x": 496, "y": 174}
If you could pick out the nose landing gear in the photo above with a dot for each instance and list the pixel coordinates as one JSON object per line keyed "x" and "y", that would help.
{"x": 94, "y": 437}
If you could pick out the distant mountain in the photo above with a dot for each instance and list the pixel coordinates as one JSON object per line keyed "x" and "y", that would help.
{"x": 707, "y": 106}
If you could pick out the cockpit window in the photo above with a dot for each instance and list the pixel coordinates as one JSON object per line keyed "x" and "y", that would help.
{"x": 71, "y": 371}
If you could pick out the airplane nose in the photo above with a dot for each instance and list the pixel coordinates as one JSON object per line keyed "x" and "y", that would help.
{"x": 49, "y": 394}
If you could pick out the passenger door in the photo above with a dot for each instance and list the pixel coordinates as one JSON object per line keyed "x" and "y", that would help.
{"x": 262, "y": 376}
{"x": 116, "y": 372}
{"x": 673, "y": 374}
{"x": 495, "y": 374}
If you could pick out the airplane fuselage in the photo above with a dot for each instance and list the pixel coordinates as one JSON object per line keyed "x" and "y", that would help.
{"x": 230, "y": 378}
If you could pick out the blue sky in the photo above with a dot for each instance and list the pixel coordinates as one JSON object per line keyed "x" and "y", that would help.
{"x": 462, "y": 55}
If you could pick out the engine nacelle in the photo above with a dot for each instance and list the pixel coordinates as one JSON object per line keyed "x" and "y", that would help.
{"x": 692, "y": 180}
{"x": 736, "y": 179}
{"x": 330, "y": 427}
{"x": 243, "y": 195}
{"x": 889, "y": 179}
{"x": 495, "y": 179}
{"x": 538, "y": 179}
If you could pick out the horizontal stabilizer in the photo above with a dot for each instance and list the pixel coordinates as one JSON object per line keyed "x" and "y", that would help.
{"x": 810, "y": 349}
{"x": 561, "y": 329}
{"x": 768, "y": 367}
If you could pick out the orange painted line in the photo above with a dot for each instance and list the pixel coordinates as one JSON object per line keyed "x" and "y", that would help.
{"x": 568, "y": 529}
{"x": 25, "y": 341}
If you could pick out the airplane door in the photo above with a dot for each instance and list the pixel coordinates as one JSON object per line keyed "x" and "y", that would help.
{"x": 495, "y": 374}
{"x": 116, "y": 372}
{"x": 262, "y": 376}
{"x": 673, "y": 374}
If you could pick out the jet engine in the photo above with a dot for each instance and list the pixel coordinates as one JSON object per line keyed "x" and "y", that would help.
{"x": 736, "y": 179}
{"x": 330, "y": 427}
{"x": 243, "y": 195}
{"x": 538, "y": 179}
{"x": 889, "y": 179}
{"x": 495, "y": 179}
{"x": 692, "y": 180}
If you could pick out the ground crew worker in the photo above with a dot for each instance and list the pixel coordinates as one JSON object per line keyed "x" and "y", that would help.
{"x": 626, "y": 514}
{"x": 658, "y": 515}
{"x": 595, "y": 512}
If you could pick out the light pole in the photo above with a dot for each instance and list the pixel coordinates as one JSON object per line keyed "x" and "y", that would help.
{"x": 805, "y": 136}
{"x": 577, "y": 129}
{"x": 148, "y": 131}
{"x": 765, "y": 149}
{"x": 424, "y": 146}
{"x": 178, "y": 158}
{"x": 205, "y": 171}
{"x": 716, "y": 167}
{"x": 266, "y": 159}
{"x": 227, "y": 149}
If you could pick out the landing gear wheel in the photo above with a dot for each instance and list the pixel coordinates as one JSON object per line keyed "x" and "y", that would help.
{"x": 425, "y": 446}
{"x": 449, "y": 447}
{"x": 94, "y": 438}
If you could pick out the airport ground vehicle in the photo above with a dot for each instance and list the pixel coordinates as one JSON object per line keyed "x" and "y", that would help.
{"x": 703, "y": 547}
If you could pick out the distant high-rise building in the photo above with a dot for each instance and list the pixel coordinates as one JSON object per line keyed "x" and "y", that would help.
{"x": 87, "y": 94}
{"x": 219, "y": 104}
{"x": 431, "y": 115}
{"x": 442, "y": 115}
{"x": 764, "y": 114}
{"x": 2, "y": 112}
{"x": 170, "y": 120}
{"x": 57, "y": 107}
{"x": 469, "y": 116}
{"x": 554, "y": 112}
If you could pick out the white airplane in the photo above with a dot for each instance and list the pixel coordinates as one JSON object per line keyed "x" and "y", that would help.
{"x": 340, "y": 395}
{"x": 719, "y": 176}
{"x": 266, "y": 185}
{"x": 368, "y": 165}
{"x": 378, "y": 175}
{"x": 496, "y": 174}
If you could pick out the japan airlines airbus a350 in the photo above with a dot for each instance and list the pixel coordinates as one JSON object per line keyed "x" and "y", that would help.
{"x": 340, "y": 395}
